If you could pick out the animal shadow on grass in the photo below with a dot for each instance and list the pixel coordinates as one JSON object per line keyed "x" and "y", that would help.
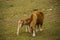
{"x": 25, "y": 34}
{"x": 39, "y": 33}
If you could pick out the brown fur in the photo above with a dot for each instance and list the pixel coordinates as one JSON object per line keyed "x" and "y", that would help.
{"x": 36, "y": 19}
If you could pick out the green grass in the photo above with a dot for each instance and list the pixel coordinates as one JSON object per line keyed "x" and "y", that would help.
{"x": 12, "y": 10}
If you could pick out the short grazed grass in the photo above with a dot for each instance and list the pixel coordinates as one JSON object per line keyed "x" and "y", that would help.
{"x": 13, "y": 10}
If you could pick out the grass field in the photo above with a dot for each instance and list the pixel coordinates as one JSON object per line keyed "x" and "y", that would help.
{"x": 12, "y": 10}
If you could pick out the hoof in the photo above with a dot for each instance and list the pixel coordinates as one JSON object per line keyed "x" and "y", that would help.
{"x": 33, "y": 35}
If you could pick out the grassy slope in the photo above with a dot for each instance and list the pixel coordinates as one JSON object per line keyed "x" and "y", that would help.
{"x": 12, "y": 10}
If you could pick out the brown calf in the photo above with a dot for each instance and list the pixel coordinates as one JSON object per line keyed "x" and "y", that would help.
{"x": 23, "y": 22}
{"x": 36, "y": 19}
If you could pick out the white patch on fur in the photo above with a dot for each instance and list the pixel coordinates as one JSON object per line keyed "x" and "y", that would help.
{"x": 19, "y": 26}
{"x": 33, "y": 34}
